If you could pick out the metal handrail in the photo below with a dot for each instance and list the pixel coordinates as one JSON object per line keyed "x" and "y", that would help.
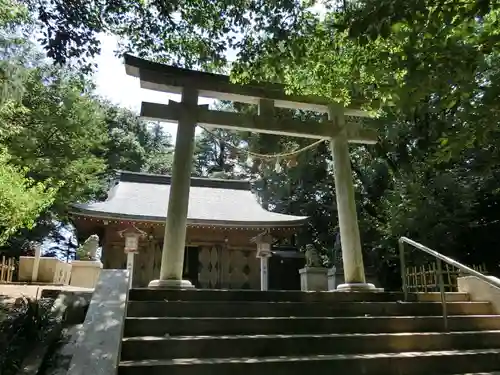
{"x": 440, "y": 258}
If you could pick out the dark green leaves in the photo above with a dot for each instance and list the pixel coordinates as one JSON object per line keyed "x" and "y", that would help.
{"x": 188, "y": 33}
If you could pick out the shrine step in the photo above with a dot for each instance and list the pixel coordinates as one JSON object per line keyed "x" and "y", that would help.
{"x": 298, "y": 309}
{"x": 175, "y": 326}
{"x": 151, "y": 347}
{"x": 145, "y": 294}
{"x": 273, "y": 333}
{"x": 407, "y": 363}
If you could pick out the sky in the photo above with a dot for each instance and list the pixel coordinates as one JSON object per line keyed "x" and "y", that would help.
{"x": 114, "y": 84}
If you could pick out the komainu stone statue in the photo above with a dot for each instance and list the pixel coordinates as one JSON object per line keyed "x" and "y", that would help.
{"x": 88, "y": 249}
{"x": 312, "y": 256}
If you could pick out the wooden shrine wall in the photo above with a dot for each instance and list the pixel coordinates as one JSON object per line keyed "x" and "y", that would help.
{"x": 226, "y": 268}
{"x": 226, "y": 258}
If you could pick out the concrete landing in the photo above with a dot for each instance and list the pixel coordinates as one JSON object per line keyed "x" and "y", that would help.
{"x": 10, "y": 292}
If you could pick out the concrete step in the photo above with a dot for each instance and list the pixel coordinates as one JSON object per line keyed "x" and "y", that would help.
{"x": 407, "y": 363}
{"x": 174, "y": 326}
{"x": 151, "y": 347}
{"x": 270, "y": 309}
{"x": 145, "y": 294}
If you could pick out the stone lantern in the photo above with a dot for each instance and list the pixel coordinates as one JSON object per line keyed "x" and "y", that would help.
{"x": 264, "y": 242}
{"x": 131, "y": 235}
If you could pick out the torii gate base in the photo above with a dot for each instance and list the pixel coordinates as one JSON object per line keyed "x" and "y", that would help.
{"x": 187, "y": 114}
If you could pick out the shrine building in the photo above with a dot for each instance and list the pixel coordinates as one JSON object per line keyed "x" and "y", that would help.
{"x": 223, "y": 218}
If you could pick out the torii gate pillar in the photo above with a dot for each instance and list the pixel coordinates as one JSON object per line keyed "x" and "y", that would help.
{"x": 172, "y": 258}
{"x": 354, "y": 272}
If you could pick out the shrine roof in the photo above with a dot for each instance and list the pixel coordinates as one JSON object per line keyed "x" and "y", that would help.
{"x": 144, "y": 197}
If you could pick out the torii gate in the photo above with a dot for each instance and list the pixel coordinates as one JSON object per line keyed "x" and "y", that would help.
{"x": 192, "y": 85}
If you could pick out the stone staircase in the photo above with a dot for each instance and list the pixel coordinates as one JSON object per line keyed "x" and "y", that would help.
{"x": 208, "y": 332}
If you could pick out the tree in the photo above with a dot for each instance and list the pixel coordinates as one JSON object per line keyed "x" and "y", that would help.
{"x": 128, "y": 135}
{"x": 60, "y": 130}
{"x": 54, "y": 131}
{"x": 21, "y": 199}
{"x": 188, "y": 33}
{"x": 160, "y": 151}
{"x": 60, "y": 143}
{"x": 134, "y": 144}
{"x": 216, "y": 154}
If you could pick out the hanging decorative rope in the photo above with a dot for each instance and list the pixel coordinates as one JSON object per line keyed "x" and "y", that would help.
{"x": 291, "y": 156}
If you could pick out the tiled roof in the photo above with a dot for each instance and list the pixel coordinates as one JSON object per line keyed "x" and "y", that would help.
{"x": 144, "y": 197}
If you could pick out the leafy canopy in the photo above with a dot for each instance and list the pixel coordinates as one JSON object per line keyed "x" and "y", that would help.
{"x": 22, "y": 200}
{"x": 186, "y": 32}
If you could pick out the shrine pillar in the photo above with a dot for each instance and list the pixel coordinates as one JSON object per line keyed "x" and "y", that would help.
{"x": 352, "y": 255}
{"x": 172, "y": 260}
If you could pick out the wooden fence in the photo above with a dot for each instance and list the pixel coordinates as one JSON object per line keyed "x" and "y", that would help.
{"x": 7, "y": 268}
{"x": 425, "y": 278}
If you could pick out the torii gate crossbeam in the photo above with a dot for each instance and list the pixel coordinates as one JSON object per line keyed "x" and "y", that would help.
{"x": 192, "y": 85}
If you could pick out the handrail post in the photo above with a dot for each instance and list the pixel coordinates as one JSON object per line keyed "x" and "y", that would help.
{"x": 443, "y": 294}
{"x": 403, "y": 269}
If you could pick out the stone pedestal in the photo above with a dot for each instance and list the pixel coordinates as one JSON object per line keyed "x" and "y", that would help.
{"x": 63, "y": 273}
{"x": 46, "y": 272}
{"x": 264, "y": 273}
{"x": 332, "y": 279}
{"x": 313, "y": 279}
{"x": 130, "y": 267}
{"x": 84, "y": 273}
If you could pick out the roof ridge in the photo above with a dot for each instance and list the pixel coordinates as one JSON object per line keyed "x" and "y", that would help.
{"x": 150, "y": 178}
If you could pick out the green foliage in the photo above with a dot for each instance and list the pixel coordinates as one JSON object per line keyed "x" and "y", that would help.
{"x": 21, "y": 199}
{"x": 215, "y": 155}
{"x": 189, "y": 33}
{"x": 134, "y": 144}
{"x": 60, "y": 143}
{"x": 60, "y": 130}
{"x": 12, "y": 13}
{"x": 159, "y": 149}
